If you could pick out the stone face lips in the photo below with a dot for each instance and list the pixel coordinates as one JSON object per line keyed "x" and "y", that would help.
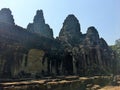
{"x": 6, "y": 16}
{"x": 39, "y": 27}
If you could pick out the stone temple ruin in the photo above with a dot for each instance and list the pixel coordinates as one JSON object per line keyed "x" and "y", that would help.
{"x": 34, "y": 52}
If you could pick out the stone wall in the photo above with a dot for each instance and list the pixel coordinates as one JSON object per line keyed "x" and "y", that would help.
{"x": 34, "y": 53}
{"x": 66, "y": 83}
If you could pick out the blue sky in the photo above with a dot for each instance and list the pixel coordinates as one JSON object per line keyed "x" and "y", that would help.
{"x": 103, "y": 14}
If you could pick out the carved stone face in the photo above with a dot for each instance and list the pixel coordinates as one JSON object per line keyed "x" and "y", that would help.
{"x": 6, "y": 16}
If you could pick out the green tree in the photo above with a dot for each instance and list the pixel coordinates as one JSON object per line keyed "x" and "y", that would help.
{"x": 116, "y": 49}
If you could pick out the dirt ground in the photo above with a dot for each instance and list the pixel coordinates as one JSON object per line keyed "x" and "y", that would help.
{"x": 110, "y": 88}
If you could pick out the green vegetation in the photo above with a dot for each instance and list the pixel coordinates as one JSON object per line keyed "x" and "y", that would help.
{"x": 116, "y": 49}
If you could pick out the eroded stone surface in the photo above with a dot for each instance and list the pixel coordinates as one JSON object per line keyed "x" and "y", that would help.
{"x": 6, "y": 16}
{"x": 34, "y": 53}
{"x": 39, "y": 27}
{"x": 73, "y": 83}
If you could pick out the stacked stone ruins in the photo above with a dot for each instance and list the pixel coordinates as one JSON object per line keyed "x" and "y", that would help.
{"x": 35, "y": 53}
